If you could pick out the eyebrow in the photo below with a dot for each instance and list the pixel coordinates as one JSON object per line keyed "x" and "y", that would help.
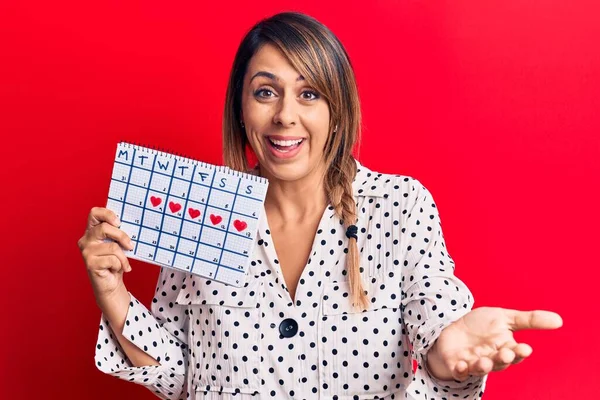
{"x": 272, "y": 76}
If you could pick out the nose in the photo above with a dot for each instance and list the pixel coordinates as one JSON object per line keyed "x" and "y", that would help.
{"x": 286, "y": 113}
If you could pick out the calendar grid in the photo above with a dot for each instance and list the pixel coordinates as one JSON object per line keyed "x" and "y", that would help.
{"x": 183, "y": 198}
{"x": 199, "y": 184}
{"x": 212, "y": 181}
{"x": 195, "y": 223}
{"x": 128, "y": 179}
{"x": 145, "y": 200}
{"x": 227, "y": 231}
{"x": 212, "y": 235}
{"x": 162, "y": 219}
{"x": 202, "y": 243}
{"x": 184, "y": 208}
{"x": 205, "y": 260}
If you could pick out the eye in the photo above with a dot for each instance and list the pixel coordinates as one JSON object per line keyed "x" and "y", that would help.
{"x": 310, "y": 95}
{"x": 264, "y": 93}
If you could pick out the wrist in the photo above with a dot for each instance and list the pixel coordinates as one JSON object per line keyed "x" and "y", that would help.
{"x": 109, "y": 298}
{"x": 114, "y": 307}
{"x": 435, "y": 365}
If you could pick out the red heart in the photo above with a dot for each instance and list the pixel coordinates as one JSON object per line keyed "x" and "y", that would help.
{"x": 194, "y": 213}
{"x": 240, "y": 225}
{"x": 155, "y": 200}
{"x": 215, "y": 219}
{"x": 174, "y": 207}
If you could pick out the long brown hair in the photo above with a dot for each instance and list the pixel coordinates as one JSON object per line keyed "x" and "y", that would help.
{"x": 318, "y": 55}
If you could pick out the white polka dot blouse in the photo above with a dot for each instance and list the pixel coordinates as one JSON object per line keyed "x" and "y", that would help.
{"x": 215, "y": 341}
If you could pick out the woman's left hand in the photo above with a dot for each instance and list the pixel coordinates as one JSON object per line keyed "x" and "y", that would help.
{"x": 482, "y": 341}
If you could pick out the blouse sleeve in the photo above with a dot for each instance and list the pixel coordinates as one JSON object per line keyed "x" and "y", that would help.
{"x": 161, "y": 333}
{"x": 432, "y": 296}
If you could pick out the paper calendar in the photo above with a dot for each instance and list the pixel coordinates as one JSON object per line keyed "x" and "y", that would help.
{"x": 186, "y": 214}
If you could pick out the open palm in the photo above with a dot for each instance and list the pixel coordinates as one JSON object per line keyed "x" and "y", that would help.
{"x": 482, "y": 341}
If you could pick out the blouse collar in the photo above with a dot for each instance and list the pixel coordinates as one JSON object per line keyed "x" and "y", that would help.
{"x": 368, "y": 183}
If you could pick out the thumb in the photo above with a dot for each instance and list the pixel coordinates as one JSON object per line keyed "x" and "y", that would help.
{"x": 538, "y": 319}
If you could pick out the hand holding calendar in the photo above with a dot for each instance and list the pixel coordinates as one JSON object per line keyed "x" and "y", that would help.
{"x": 101, "y": 250}
{"x": 185, "y": 214}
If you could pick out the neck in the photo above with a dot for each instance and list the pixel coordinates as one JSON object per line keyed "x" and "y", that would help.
{"x": 296, "y": 201}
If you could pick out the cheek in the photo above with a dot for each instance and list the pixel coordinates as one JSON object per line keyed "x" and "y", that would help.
{"x": 253, "y": 121}
{"x": 258, "y": 116}
{"x": 255, "y": 137}
{"x": 255, "y": 142}
{"x": 318, "y": 126}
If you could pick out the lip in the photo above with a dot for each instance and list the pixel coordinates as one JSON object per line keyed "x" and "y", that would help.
{"x": 280, "y": 137}
{"x": 278, "y": 154}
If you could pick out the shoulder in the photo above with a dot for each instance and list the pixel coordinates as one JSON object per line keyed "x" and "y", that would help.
{"x": 369, "y": 183}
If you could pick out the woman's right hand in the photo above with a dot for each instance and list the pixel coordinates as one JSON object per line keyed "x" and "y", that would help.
{"x": 105, "y": 260}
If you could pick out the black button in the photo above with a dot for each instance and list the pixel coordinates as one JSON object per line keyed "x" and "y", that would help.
{"x": 288, "y": 327}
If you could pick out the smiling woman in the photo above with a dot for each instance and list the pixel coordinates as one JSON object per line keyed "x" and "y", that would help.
{"x": 292, "y": 81}
{"x": 317, "y": 318}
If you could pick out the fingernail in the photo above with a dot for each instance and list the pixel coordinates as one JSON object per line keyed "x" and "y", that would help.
{"x": 117, "y": 222}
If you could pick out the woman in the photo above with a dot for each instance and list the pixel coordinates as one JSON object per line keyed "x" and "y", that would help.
{"x": 350, "y": 277}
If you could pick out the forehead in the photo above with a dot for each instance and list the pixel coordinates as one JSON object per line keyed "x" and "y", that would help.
{"x": 269, "y": 59}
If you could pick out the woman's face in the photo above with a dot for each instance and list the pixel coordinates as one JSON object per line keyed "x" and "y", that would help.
{"x": 286, "y": 121}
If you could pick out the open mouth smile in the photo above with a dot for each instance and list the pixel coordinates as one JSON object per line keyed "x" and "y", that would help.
{"x": 284, "y": 147}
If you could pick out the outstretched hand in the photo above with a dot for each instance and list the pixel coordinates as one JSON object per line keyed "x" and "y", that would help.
{"x": 482, "y": 341}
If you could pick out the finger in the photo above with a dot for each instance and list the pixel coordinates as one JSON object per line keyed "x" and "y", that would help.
{"x": 476, "y": 366}
{"x": 537, "y": 319}
{"x": 106, "y": 231}
{"x": 501, "y": 367}
{"x": 99, "y": 215}
{"x": 517, "y": 360}
{"x": 483, "y": 366}
{"x": 461, "y": 370}
{"x": 106, "y": 262}
{"x": 112, "y": 249}
{"x": 503, "y": 358}
{"x": 522, "y": 351}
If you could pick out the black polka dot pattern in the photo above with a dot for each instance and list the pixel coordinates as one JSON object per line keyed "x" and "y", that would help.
{"x": 216, "y": 341}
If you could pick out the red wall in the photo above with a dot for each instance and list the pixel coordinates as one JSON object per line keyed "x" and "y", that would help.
{"x": 493, "y": 105}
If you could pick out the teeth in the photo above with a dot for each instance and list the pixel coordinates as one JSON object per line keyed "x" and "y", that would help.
{"x": 285, "y": 143}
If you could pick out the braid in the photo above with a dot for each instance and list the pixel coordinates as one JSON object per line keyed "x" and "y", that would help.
{"x": 338, "y": 184}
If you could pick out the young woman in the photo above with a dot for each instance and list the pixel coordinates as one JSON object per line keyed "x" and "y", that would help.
{"x": 350, "y": 277}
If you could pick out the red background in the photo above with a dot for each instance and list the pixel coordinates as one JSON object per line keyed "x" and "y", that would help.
{"x": 492, "y": 105}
